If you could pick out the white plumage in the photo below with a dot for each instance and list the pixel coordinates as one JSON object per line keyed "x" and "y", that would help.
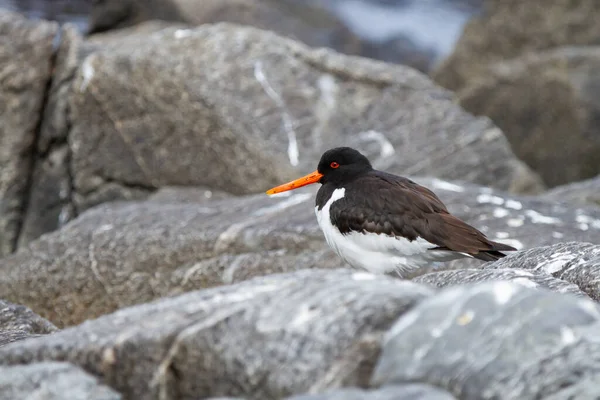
{"x": 378, "y": 253}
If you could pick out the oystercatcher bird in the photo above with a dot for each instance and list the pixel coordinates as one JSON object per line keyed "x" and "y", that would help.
{"x": 385, "y": 223}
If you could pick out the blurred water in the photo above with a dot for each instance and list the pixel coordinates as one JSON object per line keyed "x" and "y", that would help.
{"x": 433, "y": 24}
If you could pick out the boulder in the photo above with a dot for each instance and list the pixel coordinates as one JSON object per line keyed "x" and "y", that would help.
{"x": 547, "y": 105}
{"x": 26, "y": 58}
{"x": 583, "y": 193}
{"x": 307, "y": 23}
{"x": 506, "y": 29}
{"x": 266, "y": 338}
{"x": 441, "y": 279}
{"x": 124, "y": 253}
{"x": 392, "y": 392}
{"x": 239, "y": 119}
{"x": 51, "y": 381}
{"x": 19, "y": 322}
{"x": 496, "y": 340}
{"x": 574, "y": 262}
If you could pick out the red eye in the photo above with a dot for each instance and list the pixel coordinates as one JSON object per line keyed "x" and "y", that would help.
{"x": 334, "y": 165}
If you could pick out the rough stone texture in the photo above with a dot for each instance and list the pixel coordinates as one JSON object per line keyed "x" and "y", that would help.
{"x": 578, "y": 193}
{"x": 574, "y": 262}
{"x": 132, "y": 252}
{"x": 49, "y": 202}
{"x": 25, "y": 67}
{"x": 182, "y": 194}
{"x": 548, "y": 106}
{"x": 509, "y": 28}
{"x": 266, "y": 338}
{"x": 442, "y": 279}
{"x": 19, "y": 322}
{"x": 51, "y": 381}
{"x": 394, "y": 392}
{"x": 246, "y": 98}
{"x": 497, "y": 340}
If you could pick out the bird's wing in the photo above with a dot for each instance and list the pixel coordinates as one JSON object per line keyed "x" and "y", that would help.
{"x": 403, "y": 208}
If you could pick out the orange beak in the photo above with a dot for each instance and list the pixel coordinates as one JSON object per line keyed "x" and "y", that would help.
{"x": 313, "y": 177}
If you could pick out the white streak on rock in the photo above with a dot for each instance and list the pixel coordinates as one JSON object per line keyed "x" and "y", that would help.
{"x": 288, "y": 125}
{"x": 491, "y": 199}
{"x": 503, "y": 292}
{"x": 513, "y": 204}
{"x": 444, "y": 185}
{"x": 538, "y": 218}
{"x": 87, "y": 72}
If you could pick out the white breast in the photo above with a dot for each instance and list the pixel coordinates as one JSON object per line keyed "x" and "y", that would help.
{"x": 377, "y": 253}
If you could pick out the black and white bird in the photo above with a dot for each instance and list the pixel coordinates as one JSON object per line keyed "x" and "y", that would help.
{"x": 385, "y": 223}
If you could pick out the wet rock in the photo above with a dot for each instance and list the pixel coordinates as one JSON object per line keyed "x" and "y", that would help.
{"x": 547, "y": 104}
{"x": 51, "y": 381}
{"x": 125, "y": 253}
{"x": 575, "y": 262}
{"x": 25, "y": 68}
{"x": 266, "y": 338}
{"x": 19, "y": 322}
{"x": 496, "y": 340}
{"x": 441, "y": 279}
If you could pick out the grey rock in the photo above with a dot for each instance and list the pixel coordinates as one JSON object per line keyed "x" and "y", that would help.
{"x": 25, "y": 68}
{"x": 241, "y": 114}
{"x": 574, "y": 262}
{"x": 50, "y": 196}
{"x": 506, "y": 29}
{"x": 125, "y": 253}
{"x": 577, "y": 193}
{"x": 266, "y": 338}
{"x": 392, "y": 392}
{"x": 182, "y": 194}
{"x": 523, "y": 277}
{"x": 19, "y": 322}
{"x": 496, "y": 340}
{"x": 540, "y": 99}
{"x": 51, "y": 381}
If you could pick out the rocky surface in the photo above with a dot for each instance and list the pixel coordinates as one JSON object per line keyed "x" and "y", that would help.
{"x": 394, "y": 392}
{"x": 240, "y": 126}
{"x": 266, "y": 338}
{"x": 95, "y": 265}
{"x": 19, "y": 322}
{"x": 25, "y": 70}
{"x": 580, "y": 193}
{"x": 523, "y": 277}
{"x": 574, "y": 262}
{"x": 510, "y": 28}
{"x": 51, "y": 381}
{"x": 496, "y": 340}
{"x": 547, "y": 104}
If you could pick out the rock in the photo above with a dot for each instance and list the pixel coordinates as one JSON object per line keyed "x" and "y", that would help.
{"x": 394, "y": 392}
{"x": 50, "y": 195}
{"x": 574, "y": 262}
{"x": 103, "y": 122}
{"x": 51, "y": 381}
{"x": 442, "y": 279}
{"x": 539, "y": 100}
{"x": 25, "y": 68}
{"x": 312, "y": 25}
{"x": 506, "y": 29}
{"x": 125, "y": 253}
{"x": 577, "y": 193}
{"x": 496, "y": 340}
{"x": 266, "y": 338}
{"x": 391, "y": 112}
{"x": 19, "y": 322}
{"x": 182, "y": 194}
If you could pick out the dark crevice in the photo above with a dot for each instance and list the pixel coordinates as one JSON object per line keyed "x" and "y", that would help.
{"x": 34, "y": 156}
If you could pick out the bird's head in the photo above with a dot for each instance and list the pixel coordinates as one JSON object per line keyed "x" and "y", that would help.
{"x": 337, "y": 166}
